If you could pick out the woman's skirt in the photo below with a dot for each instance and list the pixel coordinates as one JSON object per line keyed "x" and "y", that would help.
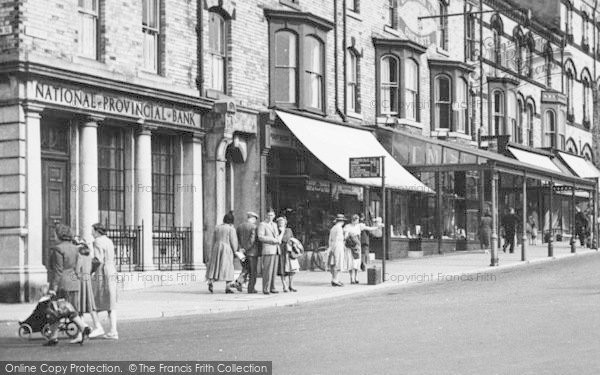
{"x": 104, "y": 285}
{"x": 287, "y": 265}
{"x": 87, "y": 303}
{"x": 220, "y": 264}
{"x": 335, "y": 260}
{"x": 349, "y": 262}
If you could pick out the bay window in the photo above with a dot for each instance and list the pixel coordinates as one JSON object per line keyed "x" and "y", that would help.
{"x": 498, "y": 112}
{"x": 286, "y": 67}
{"x": 550, "y": 129}
{"x": 443, "y": 113}
{"x": 462, "y": 107}
{"x": 389, "y": 85}
{"x": 313, "y": 80}
{"x": 411, "y": 89}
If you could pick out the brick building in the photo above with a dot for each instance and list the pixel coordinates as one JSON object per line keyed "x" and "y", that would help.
{"x": 157, "y": 117}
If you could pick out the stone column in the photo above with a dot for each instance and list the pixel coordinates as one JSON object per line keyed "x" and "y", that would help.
{"x": 192, "y": 197}
{"x": 88, "y": 174}
{"x": 35, "y": 274}
{"x": 143, "y": 194}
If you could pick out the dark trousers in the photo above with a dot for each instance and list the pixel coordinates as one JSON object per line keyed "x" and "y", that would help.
{"x": 581, "y": 234}
{"x": 249, "y": 272}
{"x": 509, "y": 239}
{"x": 269, "y": 272}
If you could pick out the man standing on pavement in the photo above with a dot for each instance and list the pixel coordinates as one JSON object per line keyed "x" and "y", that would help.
{"x": 246, "y": 233}
{"x": 509, "y": 223}
{"x": 270, "y": 239}
{"x": 581, "y": 226}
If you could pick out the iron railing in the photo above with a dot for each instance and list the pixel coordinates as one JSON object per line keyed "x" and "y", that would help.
{"x": 129, "y": 248}
{"x": 172, "y": 247}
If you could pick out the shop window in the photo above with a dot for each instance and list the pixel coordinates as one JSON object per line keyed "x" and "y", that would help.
{"x": 389, "y": 85}
{"x": 443, "y": 25}
{"x": 286, "y": 67}
{"x": 443, "y": 110}
{"x": 88, "y": 28}
{"x": 392, "y": 14}
{"x": 163, "y": 181}
{"x": 411, "y": 89}
{"x": 498, "y": 112}
{"x": 462, "y": 107}
{"x": 111, "y": 176}
{"x": 217, "y": 51}
{"x": 550, "y": 129}
{"x": 151, "y": 31}
{"x": 352, "y": 85}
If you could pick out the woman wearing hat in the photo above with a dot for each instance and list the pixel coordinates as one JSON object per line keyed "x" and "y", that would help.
{"x": 336, "y": 249}
{"x": 287, "y": 267}
{"x": 104, "y": 281}
{"x": 352, "y": 242}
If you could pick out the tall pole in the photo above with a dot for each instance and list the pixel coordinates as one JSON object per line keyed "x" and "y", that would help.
{"x": 384, "y": 217}
{"x": 524, "y": 215}
{"x": 572, "y": 213}
{"x": 550, "y": 203}
{"x": 494, "y": 252}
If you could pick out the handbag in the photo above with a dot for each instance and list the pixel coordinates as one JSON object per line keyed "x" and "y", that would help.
{"x": 95, "y": 264}
{"x": 363, "y": 267}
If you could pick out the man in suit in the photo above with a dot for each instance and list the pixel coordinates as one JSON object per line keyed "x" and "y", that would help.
{"x": 509, "y": 223}
{"x": 270, "y": 238}
{"x": 246, "y": 233}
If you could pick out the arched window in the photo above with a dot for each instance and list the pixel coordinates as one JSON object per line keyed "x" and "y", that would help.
{"x": 498, "y": 112}
{"x": 313, "y": 53}
{"x": 286, "y": 67}
{"x": 548, "y": 64}
{"x": 567, "y": 16}
{"x": 587, "y": 97}
{"x": 443, "y": 24}
{"x": 411, "y": 89}
{"x": 352, "y": 92}
{"x": 443, "y": 98}
{"x": 462, "y": 106}
{"x": 520, "y": 45}
{"x": 518, "y": 136}
{"x": 561, "y": 129}
{"x": 497, "y": 28}
{"x": 587, "y": 153}
{"x": 529, "y": 118}
{"x": 571, "y": 147}
{"x": 569, "y": 86}
{"x": 217, "y": 51}
{"x": 585, "y": 29}
{"x": 529, "y": 59}
{"x": 511, "y": 112}
{"x": 550, "y": 129}
{"x": 390, "y": 84}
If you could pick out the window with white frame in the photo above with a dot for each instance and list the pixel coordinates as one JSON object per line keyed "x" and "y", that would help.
{"x": 498, "y": 112}
{"x": 313, "y": 53}
{"x": 561, "y": 128}
{"x": 511, "y": 113}
{"x": 550, "y": 129}
{"x": 462, "y": 107}
{"x": 151, "y": 31}
{"x": 411, "y": 89}
{"x": 352, "y": 81}
{"x": 88, "y": 28}
{"x": 518, "y": 136}
{"x": 217, "y": 51}
{"x": 529, "y": 117}
{"x": 286, "y": 67}
{"x": 443, "y": 25}
{"x": 585, "y": 40}
{"x": 587, "y": 99}
{"x": 569, "y": 88}
{"x": 443, "y": 100}
{"x": 471, "y": 42}
{"x": 389, "y": 85}
{"x": 353, "y": 5}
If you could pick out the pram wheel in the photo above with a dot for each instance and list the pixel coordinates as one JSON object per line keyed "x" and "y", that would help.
{"x": 71, "y": 329}
{"x": 47, "y": 331}
{"x": 25, "y": 331}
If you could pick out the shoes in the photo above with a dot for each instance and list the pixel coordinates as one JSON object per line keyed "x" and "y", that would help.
{"x": 293, "y": 290}
{"x": 274, "y": 291}
{"x": 82, "y": 336}
{"x": 51, "y": 342}
{"x": 351, "y": 281}
{"x": 229, "y": 291}
{"x": 355, "y": 281}
{"x": 96, "y": 332}
{"x": 252, "y": 292}
{"x": 285, "y": 290}
{"x": 336, "y": 283}
{"x": 210, "y": 287}
{"x": 266, "y": 293}
{"x": 77, "y": 340}
{"x": 111, "y": 336}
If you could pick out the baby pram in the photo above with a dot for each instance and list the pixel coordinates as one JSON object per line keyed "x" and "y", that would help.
{"x": 49, "y": 310}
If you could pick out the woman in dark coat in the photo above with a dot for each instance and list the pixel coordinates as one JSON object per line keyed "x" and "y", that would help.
{"x": 485, "y": 229}
{"x": 220, "y": 262}
{"x": 64, "y": 281}
{"x": 287, "y": 268}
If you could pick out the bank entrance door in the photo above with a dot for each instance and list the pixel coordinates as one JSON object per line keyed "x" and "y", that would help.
{"x": 55, "y": 181}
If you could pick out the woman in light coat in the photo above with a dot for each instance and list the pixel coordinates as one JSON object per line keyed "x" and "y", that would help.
{"x": 336, "y": 250}
{"x": 220, "y": 263}
{"x": 104, "y": 280}
{"x": 87, "y": 303}
{"x": 352, "y": 255}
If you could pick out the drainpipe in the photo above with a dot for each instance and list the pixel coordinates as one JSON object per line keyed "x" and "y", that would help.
{"x": 335, "y": 60}
{"x": 199, "y": 36}
{"x": 345, "y": 55}
{"x": 480, "y": 74}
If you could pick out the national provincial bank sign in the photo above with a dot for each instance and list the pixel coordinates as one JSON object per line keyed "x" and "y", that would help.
{"x": 113, "y": 104}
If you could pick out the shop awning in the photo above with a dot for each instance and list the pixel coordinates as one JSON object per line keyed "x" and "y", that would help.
{"x": 335, "y": 144}
{"x": 541, "y": 161}
{"x": 580, "y": 166}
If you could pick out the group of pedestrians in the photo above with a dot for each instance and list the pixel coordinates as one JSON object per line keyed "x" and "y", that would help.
{"x": 271, "y": 242}
{"x": 84, "y": 275}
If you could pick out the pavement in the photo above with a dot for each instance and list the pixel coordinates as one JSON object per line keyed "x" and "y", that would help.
{"x": 193, "y": 298}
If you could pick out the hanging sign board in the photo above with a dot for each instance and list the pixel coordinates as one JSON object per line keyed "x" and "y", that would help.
{"x": 365, "y": 167}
